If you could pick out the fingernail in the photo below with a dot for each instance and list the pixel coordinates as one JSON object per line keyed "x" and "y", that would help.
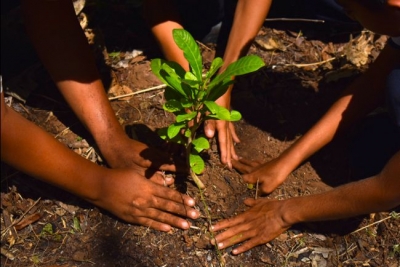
{"x": 220, "y": 245}
{"x": 185, "y": 225}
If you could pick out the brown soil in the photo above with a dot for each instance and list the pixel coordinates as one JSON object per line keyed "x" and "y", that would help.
{"x": 278, "y": 104}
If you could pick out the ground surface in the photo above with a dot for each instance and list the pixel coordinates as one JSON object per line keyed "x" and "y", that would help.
{"x": 278, "y": 103}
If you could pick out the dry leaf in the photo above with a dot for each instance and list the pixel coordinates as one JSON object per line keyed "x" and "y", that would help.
{"x": 270, "y": 43}
{"x": 118, "y": 90}
{"x": 27, "y": 221}
{"x": 358, "y": 50}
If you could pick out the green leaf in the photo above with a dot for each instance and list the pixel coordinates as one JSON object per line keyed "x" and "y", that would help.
{"x": 173, "y": 129}
{"x": 212, "y": 106}
{"x": 172, "y": 79}
{"x": 196, "y": 163}
{"x": 190, "y": 49}
{"x": 172, "y": 106}
{"x": 177, "y": 68}
{"x": 188, "y": 133}
{"x": 194, "y": 84}
{"x": 200, "y": 143}
{"x": 235, "y": 115}
{"x": 215, "y": 65}
{"x": 186, "y": 103}
{"x": 221, "y": 114}
{"x": 201, "y": 96}
{"x": 244, "y": 65}
{"x": 190, "y": 76}
{"x": 47, "y": 230}
{"x": 77, "y": 224}
{"x": 186, "y": 117}
{"x": 155, "y": 66}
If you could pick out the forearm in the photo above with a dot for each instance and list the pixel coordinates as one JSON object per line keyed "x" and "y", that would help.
{"x": 374, "y": 194}
{"x": 163, "y": 17}
{"x": 249, "y": 17}
{"x": 360, "y": 98}
{"x": 62, "y": 47}
{"x": 43, "y": 157}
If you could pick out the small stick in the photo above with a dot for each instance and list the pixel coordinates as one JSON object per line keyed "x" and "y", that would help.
{"x": 258, "y": 180}
{"x": 308, "y": 64}
{"x": 296, "y": 19}
{"x": 204, "y": 46}
{"x": 60, "y": 133}
{"x": 362, "y": 228}
{"x": 161, "y": 86}
{"x": 20, "y": 218}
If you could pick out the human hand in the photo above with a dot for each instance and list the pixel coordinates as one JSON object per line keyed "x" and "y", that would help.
{"x": 226, "y": 133}
{"x": 268, "y": 175}
{"x": 137, "y": 200}
{"x": 258, "y": 225}
{"x": 129, "y": 153}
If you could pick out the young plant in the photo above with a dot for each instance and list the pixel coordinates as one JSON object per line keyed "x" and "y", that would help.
{"x": 191, "y": 96}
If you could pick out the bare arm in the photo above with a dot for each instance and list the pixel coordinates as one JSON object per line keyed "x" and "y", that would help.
{"x": 123, "y": 192}
{"x": 361, "y": 97}
{"x": 248, "y": 19}
{"x": 267, "y": 219}
{"x": 62, "y": 47}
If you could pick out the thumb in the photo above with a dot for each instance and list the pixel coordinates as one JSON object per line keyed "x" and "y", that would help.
{"x": 250, "y": 202}
{"x": 250, "y": 178}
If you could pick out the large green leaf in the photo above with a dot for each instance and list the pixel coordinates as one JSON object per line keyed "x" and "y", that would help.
{"x": 244, "y": 65}
{"x": 190, "y": 49}
{"x": 172, "y": 79}
{"x": 196, "y": 163}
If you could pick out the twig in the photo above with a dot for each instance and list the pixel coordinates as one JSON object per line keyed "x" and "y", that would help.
{"x": 60, "y": 133}
{"x": 158, "y": 87}
{"x": 204, "y": 46}
{"x": 20, "y": 218}
{"x": 362, "y": 228}
{"x": 308, "y": 64}
{"x": 258, "y": 180}
{"x": 296, "y": 19}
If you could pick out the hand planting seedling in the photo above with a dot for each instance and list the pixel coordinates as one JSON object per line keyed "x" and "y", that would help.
{"x": 191, "y": 96}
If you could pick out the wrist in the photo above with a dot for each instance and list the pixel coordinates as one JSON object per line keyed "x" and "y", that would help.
{"x": 289, "y": 213}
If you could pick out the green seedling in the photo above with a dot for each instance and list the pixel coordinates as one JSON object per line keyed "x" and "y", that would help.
{"x": 191, "y": 96}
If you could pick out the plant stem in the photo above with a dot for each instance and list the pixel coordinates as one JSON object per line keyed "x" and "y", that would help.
{"x": 197, "y": 180}
{"x": 201, "y": 186}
